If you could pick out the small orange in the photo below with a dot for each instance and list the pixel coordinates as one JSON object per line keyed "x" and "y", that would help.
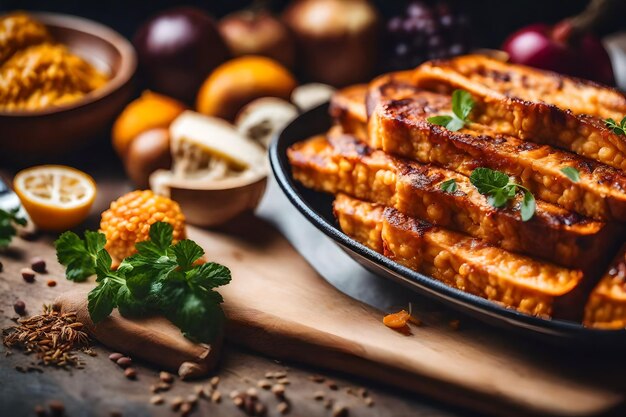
{"x": 237, "y": 82}
{"x": 149, "y": 111}
{"x": 56, "y": 197}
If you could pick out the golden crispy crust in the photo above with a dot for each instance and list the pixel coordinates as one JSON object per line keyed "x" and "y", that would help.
{"x": 533, "y": 105}
{"x": 606, "y": 307}
{"x": 462, "y": 262}
{"x": 344, "y": 164}
{"x": 398, "y": 125}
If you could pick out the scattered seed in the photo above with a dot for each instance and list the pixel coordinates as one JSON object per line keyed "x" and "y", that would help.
{"x": 20, "y": 307}
{"x": 51, "y": 283}
{"x": 157, "y": 400}
{"x": 38, "y": 264}
{"x": 234, "y": 394}
{"x": 208, "y": 391}
{"x": 166, "y": 377}
{"x": 249, "y": 404}
{"x": 455, "y": 324}
{"x": 264, "y": 383}
{"x": 214, "y": 381}
{"x": 40, "y": 411}
{"x": 186, "y": 409}
{"x": 283, "y": 381}
{"x": 269, "y": 375}
{"x": 328, "y": 403}
{"x": 216, "y": 397}
{"x": 192, "y": 399}
{"x": 280, "y": 374}
{"x": 252, "y": 392}
{"x": 278, "y": 390}
{"x": 28, "y": 275}
{"x": 340, "y": 411}
{"x": 283, "y": 407}
{"x": 238, "y": 401}
{"x": 198, "y": 390}
{"x": 369, "y": 401}
{"x": 362, "y": 392}
{"x": 332, "y": 385}
{"x": 260, "y": 409}
{"x": 115, "y": 356}
{"x": 57, "y": 408}
{"x": 130, "y": 373}
{"x": 124, "y": 362}
{"x": 317, "y": 378}
{"x": 163, "y": 386}
{"x": 176, "y": 403}
{"x": 319, "y": 395}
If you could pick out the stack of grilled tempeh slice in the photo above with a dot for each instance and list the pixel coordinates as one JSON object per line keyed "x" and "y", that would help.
{"x": 392, "y": 162}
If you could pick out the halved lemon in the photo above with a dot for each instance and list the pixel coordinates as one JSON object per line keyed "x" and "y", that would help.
{"x": 56, "y": 197}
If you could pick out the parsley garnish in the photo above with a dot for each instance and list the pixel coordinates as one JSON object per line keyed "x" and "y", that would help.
{"x": 160, "y": 278}
{"x": 449, "y": 186}
{"x": 8, "y": 221}
{"x": 462, "y": 105}
{"x": 617, "y": 128}
{"x": 571, "y": 173}
{"x": 499, "y": 189}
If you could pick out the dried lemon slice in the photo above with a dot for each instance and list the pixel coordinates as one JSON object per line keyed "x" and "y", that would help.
{"x": 56, "y": 197}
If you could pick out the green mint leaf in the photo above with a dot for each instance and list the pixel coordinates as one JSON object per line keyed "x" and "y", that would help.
{"x": 102, "y": 299}
{"x": 103, "y": 265}
{"x": 440, "y": 120}
{"x": 198, "y": 316}
{"x": 455, "y": 124}
{"x": 8, "y": 221}
{"x": 187, "y": 252}
{"x": 129, "y": 305}
{"x": 449, "y": 186}
{"x": 571, "y": 173}
{"x": 488, "y": 180}
{"x": 528, "y": 206}
{"x": 618, "y": 129}
{"x": 161, "y": 235}
{"x": 209, "y": 275}
{"x": 462, "y": 104}
{"x": 77, "y": 255}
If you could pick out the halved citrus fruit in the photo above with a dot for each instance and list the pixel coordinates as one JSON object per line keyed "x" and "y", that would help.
{"x": 56, "y": 197}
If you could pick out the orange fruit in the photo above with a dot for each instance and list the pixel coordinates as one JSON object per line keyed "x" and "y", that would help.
{"x": 239, "y": 81}
{"x": 149, "y": 111}
{"x": 56, "y": 197}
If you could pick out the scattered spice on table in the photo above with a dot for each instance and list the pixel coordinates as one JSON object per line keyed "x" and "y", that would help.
{"x": 53, "y": 336}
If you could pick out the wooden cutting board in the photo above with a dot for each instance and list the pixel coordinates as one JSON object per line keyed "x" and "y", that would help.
{"x": 277, "y": 304}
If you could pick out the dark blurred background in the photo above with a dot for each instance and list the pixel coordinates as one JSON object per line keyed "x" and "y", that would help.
{"x": 492, "y": 20}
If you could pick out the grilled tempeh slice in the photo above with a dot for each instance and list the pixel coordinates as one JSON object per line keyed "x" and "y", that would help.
{"x": 539, "y": 106}
{"x": 398, "y": 125}
{"x": 462, "y": 262}
{"x": 342, "y": 163}
{"x": 606, "y": 307}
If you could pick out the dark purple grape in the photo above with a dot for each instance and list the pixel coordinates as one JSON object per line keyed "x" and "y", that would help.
{"x": 425, "y": 30}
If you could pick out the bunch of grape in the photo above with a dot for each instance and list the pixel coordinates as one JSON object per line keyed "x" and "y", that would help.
{"x": 424, "y": 32}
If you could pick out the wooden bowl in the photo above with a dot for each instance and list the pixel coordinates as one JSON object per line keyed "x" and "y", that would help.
{"x": 209, "y": 207}
{"x": 28, "y": 135}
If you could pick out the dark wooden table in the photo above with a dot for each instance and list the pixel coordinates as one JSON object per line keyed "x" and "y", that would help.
{"x": 101, "y": 388}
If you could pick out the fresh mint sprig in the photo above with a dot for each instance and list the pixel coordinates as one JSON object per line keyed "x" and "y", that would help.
{"x": 449, "y": 186}
{"x": 161, "y": 278}
{"x": 499, "y": 189}
{"x": 462, "y": 105}
{"x": 571, "y": 173}
{"x": 617, "y": 128}
{"x": 8, "y": 222}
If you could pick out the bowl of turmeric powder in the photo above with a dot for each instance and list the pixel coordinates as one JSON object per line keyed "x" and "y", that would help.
{"x": 62, "y": 81}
